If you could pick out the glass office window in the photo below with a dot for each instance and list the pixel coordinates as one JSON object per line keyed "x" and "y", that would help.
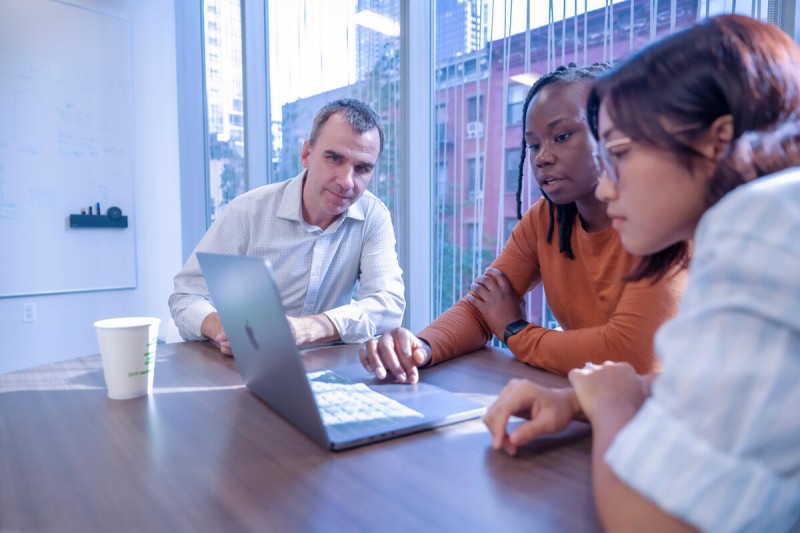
{"x": 322, "y": 50}
{"x": 485, "y": 59}
{"x": 487, "y": 55}
{"x": 222, "y": 32}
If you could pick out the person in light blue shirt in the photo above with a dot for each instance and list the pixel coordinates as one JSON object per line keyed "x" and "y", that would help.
{"x": 329, "y": 240}
{"x": 718, "y": 442}
{"x": 713, "y": 442}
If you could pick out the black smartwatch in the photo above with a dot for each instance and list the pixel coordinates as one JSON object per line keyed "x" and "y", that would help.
{"x": 428, "y": 362}
{"x": 514, "y": 328}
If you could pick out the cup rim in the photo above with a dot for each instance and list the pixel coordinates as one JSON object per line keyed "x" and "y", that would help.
{"x": 127, "y": 322}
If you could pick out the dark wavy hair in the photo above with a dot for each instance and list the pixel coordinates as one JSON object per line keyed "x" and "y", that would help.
{"x": 567, "y": 213}
{"x": 725, "y": 65}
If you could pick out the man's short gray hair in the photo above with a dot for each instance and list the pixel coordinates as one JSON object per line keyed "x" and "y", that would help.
{"x": 361, "y": 117}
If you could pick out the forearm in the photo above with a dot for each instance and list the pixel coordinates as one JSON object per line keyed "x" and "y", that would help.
{"x": 190, "y": 303}
{"x": 314, "y": 328}
{"x": 620, "y": 508}
{"x": 561, "y": 351}
{"x": 380, "y": 302}
{"x": 459, "y": 330}
{"x": 367, "y": 317}
{"x": 211, "y": 326}
{"x": 189, "y": 311}
{"x": 625, "y": 335}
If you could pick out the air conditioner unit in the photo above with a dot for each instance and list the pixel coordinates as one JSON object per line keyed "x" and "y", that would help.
{"x": 474, "y": 130}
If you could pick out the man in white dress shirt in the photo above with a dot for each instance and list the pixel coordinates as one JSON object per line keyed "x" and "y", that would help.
{"x": 330, "y": 242}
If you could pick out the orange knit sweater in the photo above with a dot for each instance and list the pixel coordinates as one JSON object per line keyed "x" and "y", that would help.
{"x": 603, "y": 317}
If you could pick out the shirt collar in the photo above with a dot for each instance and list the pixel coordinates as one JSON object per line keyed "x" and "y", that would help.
{"x": 291, "y": 204}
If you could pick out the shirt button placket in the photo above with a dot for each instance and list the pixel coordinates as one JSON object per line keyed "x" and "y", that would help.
{"x": 315, "y": 276}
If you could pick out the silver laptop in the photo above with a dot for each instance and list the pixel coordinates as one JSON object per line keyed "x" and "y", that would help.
{"x": 338, "y": 408}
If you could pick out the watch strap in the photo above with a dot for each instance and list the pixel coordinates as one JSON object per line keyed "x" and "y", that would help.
{"x": 428, "y": 362}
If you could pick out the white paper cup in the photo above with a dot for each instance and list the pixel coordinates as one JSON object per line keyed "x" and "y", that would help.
{"x": 128, "y": 352}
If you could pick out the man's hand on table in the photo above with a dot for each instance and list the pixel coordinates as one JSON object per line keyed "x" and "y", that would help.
{"x": 212, "y": 329}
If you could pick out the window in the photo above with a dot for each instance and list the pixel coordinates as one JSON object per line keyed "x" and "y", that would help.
{"x": 441, "y": 113}
{"x": 441, "y": 133}
{"x": 223, "y": 81}
{"x": 509, "y": 223}
{"x": 481, "y": 71}
{"x": 512, "y": 169}
{"x": 470, "y": 67}
{"x": 215, "y": 117}
{"x": 348, "y": 50}
{"x": 482, "y": 74}
{"x": 441, "y": 179}
{"x": 474, "y": 177}
{"x": 475, "y": 108}
{"x": 472, "y": 237}
{"x": 516, "y": 98}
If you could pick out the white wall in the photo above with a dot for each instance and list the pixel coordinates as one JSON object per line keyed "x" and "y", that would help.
{"x": 63, "y": 328}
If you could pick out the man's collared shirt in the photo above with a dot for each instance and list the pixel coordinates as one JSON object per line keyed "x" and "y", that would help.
{"x": 349, "y": 271}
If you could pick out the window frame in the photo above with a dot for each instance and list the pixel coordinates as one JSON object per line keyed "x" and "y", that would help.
{"x": 192, "y": 126}
{"x": 416, "y": 259}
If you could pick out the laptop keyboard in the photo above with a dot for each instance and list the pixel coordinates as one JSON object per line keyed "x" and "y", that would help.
{"x": 354, "y": 406}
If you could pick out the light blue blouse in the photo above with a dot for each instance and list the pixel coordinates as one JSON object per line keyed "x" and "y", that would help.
{"x": 718, "y": 443}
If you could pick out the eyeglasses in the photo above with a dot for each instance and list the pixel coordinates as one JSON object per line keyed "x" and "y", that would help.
{"x": 603, "y": 161}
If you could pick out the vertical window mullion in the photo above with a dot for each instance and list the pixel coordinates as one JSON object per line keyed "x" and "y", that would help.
{"x": 415, "y": 246}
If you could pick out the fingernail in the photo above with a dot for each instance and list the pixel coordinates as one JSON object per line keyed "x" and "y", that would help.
{"x": 402, "y": 377}
{"x": 381, "y": 373}
{"x": 368, "y": 367}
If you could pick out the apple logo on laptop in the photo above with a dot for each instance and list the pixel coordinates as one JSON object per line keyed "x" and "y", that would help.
{"x": 250, "y": 335}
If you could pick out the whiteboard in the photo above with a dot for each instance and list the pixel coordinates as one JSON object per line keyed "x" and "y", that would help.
{"x": 65, "y": 143}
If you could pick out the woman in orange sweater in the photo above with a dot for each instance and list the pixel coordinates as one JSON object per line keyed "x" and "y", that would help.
{"x": 564, "y": 241}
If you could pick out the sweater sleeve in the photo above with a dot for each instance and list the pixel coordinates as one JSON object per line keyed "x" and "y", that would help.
{"x": 627, "y": 336}
{"x": 462, "y": 329}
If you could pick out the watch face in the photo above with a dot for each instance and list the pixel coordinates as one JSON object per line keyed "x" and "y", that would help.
{"x": 516, "y": 327}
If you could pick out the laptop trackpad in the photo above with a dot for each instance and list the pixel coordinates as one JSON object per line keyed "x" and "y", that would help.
{"x": 434, "y": 403}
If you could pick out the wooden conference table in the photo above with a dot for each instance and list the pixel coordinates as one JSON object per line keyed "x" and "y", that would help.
{"x": 204, "y": 454}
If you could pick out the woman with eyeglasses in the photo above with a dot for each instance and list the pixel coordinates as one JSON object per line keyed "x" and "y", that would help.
{"x": 712, "y": 442}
